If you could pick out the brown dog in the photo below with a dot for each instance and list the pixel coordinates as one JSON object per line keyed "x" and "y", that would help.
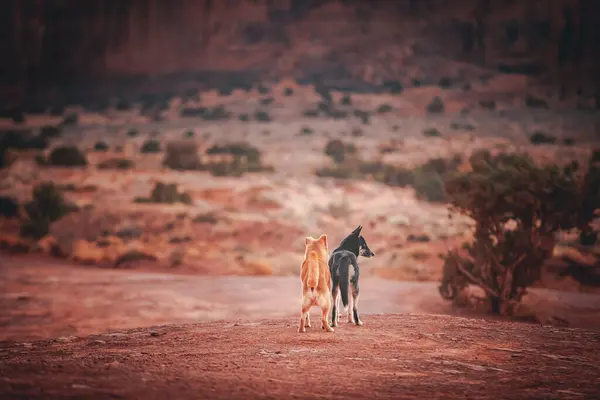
{"x": 316, "y": 281}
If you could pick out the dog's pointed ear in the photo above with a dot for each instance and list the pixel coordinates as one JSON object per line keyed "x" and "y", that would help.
{"x": 357, "y": 230}
{"x": 323, "y": 239}
{"x": 307, "y": 240}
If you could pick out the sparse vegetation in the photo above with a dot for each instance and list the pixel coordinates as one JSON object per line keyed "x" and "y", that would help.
{"x": 244, "y": 117}
{"x": 70, "y": 119}
{"x": 569, "y": 141}
{"x": 436, "y": 106}
{"x": 517, "y": 207}
{"x": 262, "y": 116}
{"x": 217, "y": 113}
{"x": 21, "y": 140}
{"x": 346, "y": 100}
{"x": 116, "y": 163}
{"x": 539, "y": 137}
{"x": 47, "y": 206}
{"x": 534, "y": 102}
{"x": 394, "y": 87}
{"x": 245, "y": 158}
{"x": 101, "y": 146}
{"x": 67, "y": 156}
{"x": 462, "y": 126}
{"x": 306, "y": 131}
{"x": 445, "y": 83}
{"x": 182, "y": 155}
{"x": 9, "y": 207}
{"x": 189, "y": 134}
{"x": 150, "y": 146}
{"x": 166, "y": 193}
{"x": 50, "y": 132}
{"x": 311, "y": 113}
{"x": 488, "y": 104}
{"x": 338, "y": 150}
{"x": 208, "y": 218}
{"x": 122, "y": 105}
{"x": 267, "y": 101}
{"x": 364, "y": 116}
{"x": 384, "y": 108}
{"x": 133, "y": 132}
{"x": 432, "y": 132}
{"x": 288, "y": 91}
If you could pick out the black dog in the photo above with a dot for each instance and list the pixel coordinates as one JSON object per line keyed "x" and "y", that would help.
{"x": 340, "y": 262}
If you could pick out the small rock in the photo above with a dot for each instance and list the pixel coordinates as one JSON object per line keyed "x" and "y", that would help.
{"x": 98, "y": 342}
{"x": 154, "y": 333}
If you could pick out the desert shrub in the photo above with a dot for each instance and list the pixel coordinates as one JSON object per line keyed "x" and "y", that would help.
{"x": 262, "y": 116}
{"x": 506, "y": 259}
{"x": 57, "y": 110}
{"x": 244, "y": 117}
{"x": 539, "y": 137}
{"x": 436, "y": 106}
{"x": 262, "y": 89}
{"x": 338, "y": 171}
{"x": 70, "y": 119}
{"x": 364, "y": 116}
{"x": 489, "y": 104}
{"x": 534, "y": 102}
{"x": 416, "y": 82}
{"x": 150, "y": 146}
{"x": 394, "y": 87}
{"x": 432, "y": 132}
{"x": 338, "y": 150}
{"x": 50, "y": 132}
{"x": 9, "y": 207}
{"x": 445, "y": 83}
{"x": 116, "y": 163}
{"x": 122, "y": 105}
{"x": 267, "y": 101}
{"x": 311, "y": 113}
{"x": 67, "y": 156}
{"x": 48, "y": 205}
{"x": 569, "y": 141}
{"x": 244, "y": 150}
{"x": 288, "y": 91}
{"x": 166, "y": 193}
{"x": 208, "y": 218}
{"x": 218, "y": 113}
{"x": 306, "y": 131}
{"x": 134, "y": 255}
{"x": 462, "y": 126}
{"x": 182, "y": 155}
{"x": 590, "y": 200}
{"x": 384, "y": 108}
{"x": 346, "y": 100}
{"x": 429, "y": 186}
{"x": 16, "y": 114}
{"x": 190, "y": 112}
{"x": 21, "y": 140}
{"x": 189, "y": 134}
{"x": 133, "y": 132}
{"x": 101, "y": 146}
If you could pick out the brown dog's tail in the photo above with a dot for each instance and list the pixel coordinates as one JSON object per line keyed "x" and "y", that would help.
{"x": 312, "y": 276}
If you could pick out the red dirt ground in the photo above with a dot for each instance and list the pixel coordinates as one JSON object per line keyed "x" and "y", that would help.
{"x": 390, "y": 357}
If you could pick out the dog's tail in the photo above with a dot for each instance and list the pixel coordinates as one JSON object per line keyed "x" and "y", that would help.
{"x": 312, "y": 276}
{"x": 344, "y": 279}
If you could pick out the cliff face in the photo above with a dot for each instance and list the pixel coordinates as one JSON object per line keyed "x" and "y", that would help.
{"x": 54, "y": 41}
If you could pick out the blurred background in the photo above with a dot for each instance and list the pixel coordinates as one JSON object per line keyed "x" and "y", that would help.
{"x": 162, "y": 161}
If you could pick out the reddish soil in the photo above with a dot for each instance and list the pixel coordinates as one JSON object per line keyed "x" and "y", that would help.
{"x": 390, "y": 357}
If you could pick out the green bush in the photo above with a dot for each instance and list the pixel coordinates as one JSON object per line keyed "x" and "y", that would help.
{"x": 101, "y": 146}
{"x": 166, "y": 193}
{"x": 50, "y": 132}
{"x": 182, "y": 155}
{"x": 116, "y": 163}
{"x": 151, "y": 146}
{"x": 288, "y": 91}
{"x": 432, "y": 132}
{"x": 436, "y": 106}
{"x": 505, "y": 261}
{"x": 47, "y": 206}
{"x": 244, "y": 117}
{"x": 306, "y": 131}
{"x": 394, "y": 87}
{"x": 338, "y": 150}
{"x": 189, "y": 134}
{"x": 346, "y": 100}
{"x": 364, "y": 116}
{"x": 539, "y": 137}
{"x": 384, "y": 108}
{"x": 262, "y": 116}
{"x": 67, "y": 156}
{"x": 133, "y": 132}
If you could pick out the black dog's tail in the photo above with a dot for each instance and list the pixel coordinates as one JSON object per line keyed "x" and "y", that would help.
{"x": 344, "y": 269}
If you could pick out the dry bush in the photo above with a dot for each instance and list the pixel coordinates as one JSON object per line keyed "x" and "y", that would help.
{"x": 67, "y": 156}
{"x": 166, "y": 193}
{"x": 517, "y": 207}
{"x": 245, "y": 158}
{"x": 182, "y": 155}
{"x": 338, "y": 150}
{"x": 47, "y": 206}
{"x": 116, "y": 163}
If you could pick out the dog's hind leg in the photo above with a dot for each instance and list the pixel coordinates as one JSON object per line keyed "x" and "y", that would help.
{"x": 325, "y": 303}
{"x": 304, "y": 314}
{"x": 307, "y": 323}
{"x": 355, "y": 295}
{"x": 349, "y": 313}
{"x": 335, "y": 294}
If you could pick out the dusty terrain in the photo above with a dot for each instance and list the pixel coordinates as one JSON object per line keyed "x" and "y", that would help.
{"x": 390, "y": 357}
{"x": 43, "y": 299}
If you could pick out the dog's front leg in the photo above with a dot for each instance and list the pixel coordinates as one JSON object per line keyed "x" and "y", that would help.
{"x": 355, "y": 294}
{"x": 307, "y": 323}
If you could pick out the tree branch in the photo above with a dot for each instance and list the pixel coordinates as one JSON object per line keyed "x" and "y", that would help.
{"x": 476, "y": 281}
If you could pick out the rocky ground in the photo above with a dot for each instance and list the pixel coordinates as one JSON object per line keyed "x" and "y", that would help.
{"x": 391, "y": 357}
